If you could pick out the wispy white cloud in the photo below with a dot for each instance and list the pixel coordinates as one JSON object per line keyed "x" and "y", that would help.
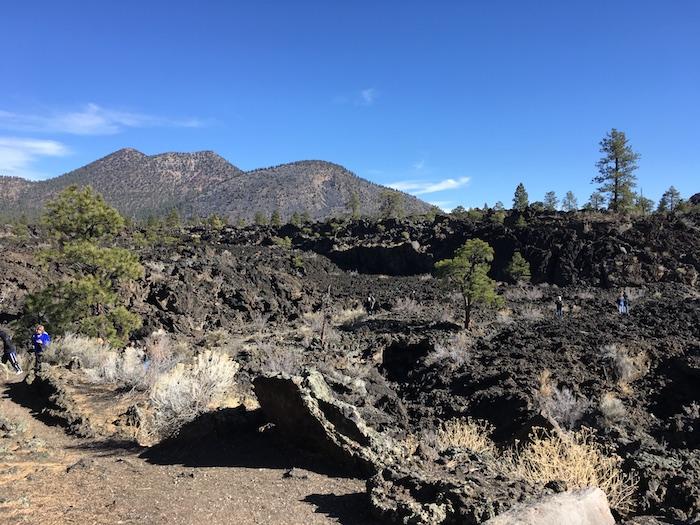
{"x": 424, "y": 187}
{"x": 368, "y": 97}
{"x": 18, "y": 155}
{"x": 419, "y": 165}
{"x": 364, "y": 97}
{"x": 90, "y": 120}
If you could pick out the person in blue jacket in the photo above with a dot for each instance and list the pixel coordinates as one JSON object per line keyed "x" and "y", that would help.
{"x": 40, "y": 341}
{"x": 9, "y": 352}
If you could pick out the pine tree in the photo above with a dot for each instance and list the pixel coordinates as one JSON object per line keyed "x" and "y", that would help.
{"x": 468, "y": 272}
{"x": 616, "y": 169}
{"x": 88, "y": 300}
{"x": 596, "y": 201}
{"x": 173, "y": 221}
{"x": 518, "y": 268}
{"x": 550, "y": 201}
{"x": 570, "y": 203}
{"x": 520, "y": 198}
{"x": 260, "y": 218}
{"x": 295, "y": 219}
{"x": 276, "y": 219}
{"x": 643, "y": 205}
{"x": 353, "y": 205}
{"x": 391, "y": 205}
{"x": 670, "y": 200}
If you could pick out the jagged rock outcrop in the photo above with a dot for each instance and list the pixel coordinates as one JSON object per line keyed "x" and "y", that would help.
{"x": 308, "y": 412}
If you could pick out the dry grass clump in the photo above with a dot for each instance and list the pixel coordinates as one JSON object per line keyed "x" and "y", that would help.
{"x": 407, "y": 306}
{"x": 348, "y": 316}
{"x": 612, "y": 409}
{"x": 188, "y": 390}
{"x": 88, "y": 351}
{"x": 470, "y": 434}
{"x": 576, "y": 459}
{"x": 627, "y": 367}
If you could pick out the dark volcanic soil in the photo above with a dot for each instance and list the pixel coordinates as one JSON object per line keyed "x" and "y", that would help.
{"x": 406, "y": 366}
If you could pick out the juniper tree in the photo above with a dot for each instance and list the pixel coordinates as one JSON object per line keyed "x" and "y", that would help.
{"x": 550, "y": 201}
{"x": 468, "y": 272}
{"x": 570, "y": 203}
{"x": 88, "y": 299}
{"x": 616, "y": 170}
{"x": 520, "y": 198}
{"x": 670, "y": 200}
{"x": 518, "y": 268}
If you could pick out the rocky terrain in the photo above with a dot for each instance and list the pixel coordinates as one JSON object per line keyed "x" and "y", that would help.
{"x": 366, "y": 393}
{"x": 204, "y": 183}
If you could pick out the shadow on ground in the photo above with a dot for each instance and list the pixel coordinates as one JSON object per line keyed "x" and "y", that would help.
{"x": 31, "y": 397}
{"x": 348, "y": 509}
{"x": 235, "y": 437}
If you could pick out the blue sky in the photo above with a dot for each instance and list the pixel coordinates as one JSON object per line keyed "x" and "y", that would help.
{"x": 454, "y": 101}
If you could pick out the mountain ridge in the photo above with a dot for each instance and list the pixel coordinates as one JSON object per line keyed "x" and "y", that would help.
{"x": 203, "y": 183}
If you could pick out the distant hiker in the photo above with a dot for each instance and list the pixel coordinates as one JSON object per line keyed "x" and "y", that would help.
{"x": 40, "y": 341}
{"x": 370, "y": 303}
{"x": 9, "y": 352}
{"x": 627, "y": 301}
{"x": 621, "y": 303}
{"x": 560, "y": 307}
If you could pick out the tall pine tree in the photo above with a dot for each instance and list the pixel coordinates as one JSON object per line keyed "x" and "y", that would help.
{"x": 616, "y": 170}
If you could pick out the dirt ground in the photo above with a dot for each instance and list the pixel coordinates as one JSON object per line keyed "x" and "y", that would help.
{"x": 49, "y": 477}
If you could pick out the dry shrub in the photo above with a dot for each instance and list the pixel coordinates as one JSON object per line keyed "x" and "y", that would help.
{"x": 531, "y": 313}
{"x": 529, "y": 293}
{"x": 188, "y": 390}
{"x": 89, "y": 351}
{"x": 318, "y": 326}
{"x": 504, "y": 316}
{"x": 471, "y": 434}
{"x": 585, "y": 296}
{"x": 348, "y": 316}
{"x": 546, "y": 387}
{"x": 276, "y": 359}
{"x": 407, "y": 306}
{"x": 564, "y": 406}
{"x": 455, "y": 352}
{"x": 627, "y": 367}
{"x": 576, "y": 459}
{"x": 259, "y": 321}
{"x": 612, "y": 409}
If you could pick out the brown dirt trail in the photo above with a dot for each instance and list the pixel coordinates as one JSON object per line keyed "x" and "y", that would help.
{"x": 48, "y": 477}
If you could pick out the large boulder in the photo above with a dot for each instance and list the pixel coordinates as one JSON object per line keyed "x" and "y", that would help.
{"x": 584, "y": 507}
{"x": 309, "y": 413}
